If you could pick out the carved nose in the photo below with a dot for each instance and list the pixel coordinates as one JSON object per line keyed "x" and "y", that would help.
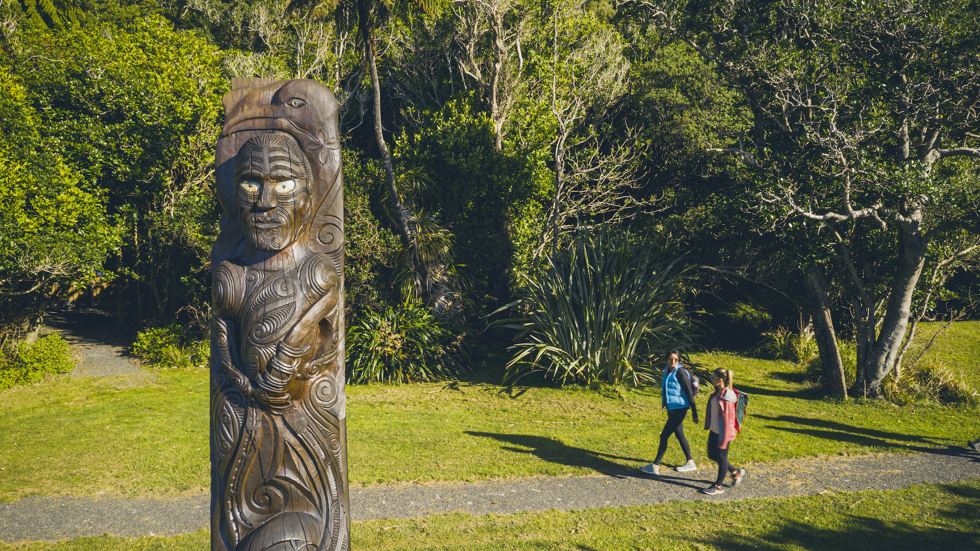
{"x": 267, "y": 197}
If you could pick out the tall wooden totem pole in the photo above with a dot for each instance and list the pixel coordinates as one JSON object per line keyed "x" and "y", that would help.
{"x": 278, "y": 432}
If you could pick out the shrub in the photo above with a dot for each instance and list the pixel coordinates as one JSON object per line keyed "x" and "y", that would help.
{"x": 28, "y": 363}
{"x": 928, "y": 382}
{"x": 779, "y": 344}
{"x": 170, "y": 346}
{"x": 785, "y": 345}
{"x": 741, "y": 312}
{"x": 599, "y": 311}
{"x": 404, "y": 344}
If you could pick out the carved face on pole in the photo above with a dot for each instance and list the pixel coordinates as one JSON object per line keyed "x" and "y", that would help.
{"x": 272, "y": 193}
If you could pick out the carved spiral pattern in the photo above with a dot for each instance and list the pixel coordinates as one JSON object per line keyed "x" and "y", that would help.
{"x": 326, "y": 392}
{"x": 266, "y": 330}
{"x": 252, "y": 276}
{"x": 267, "y": 499}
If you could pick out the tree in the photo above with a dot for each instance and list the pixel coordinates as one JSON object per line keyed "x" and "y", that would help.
{"x": 52, "y": 231}
{"x": 133, "y": 110}
{"x": 861, "y": 113}
{"x": 579, "y": 74}
{"x": 491, "y": 35}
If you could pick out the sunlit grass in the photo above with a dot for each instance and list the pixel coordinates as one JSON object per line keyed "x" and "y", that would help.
{"x": 958, "y": 349}
{"x": 91, "y": 436}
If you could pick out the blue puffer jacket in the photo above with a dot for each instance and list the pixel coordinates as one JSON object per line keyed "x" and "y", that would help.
{"x": 672, "y": 395}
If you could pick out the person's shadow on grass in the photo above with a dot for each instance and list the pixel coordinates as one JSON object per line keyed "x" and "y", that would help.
{"x": 554, "y": 451}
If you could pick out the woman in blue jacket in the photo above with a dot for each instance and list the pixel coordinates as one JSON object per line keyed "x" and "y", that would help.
{"x": 677, "y": 397}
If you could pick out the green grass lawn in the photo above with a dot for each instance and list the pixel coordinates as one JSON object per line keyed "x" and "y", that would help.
{"x": 90, "y": 436}
{"x": 108, "y": 436}
{"x": 914, "y": 519}
{"x": 958, "y": 349}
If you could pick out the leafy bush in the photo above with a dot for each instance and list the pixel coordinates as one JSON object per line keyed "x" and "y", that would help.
{"x": 600, "y": 311}
{"x": 779, "y": 343}
{"x": 28, "y": 363}
{"x": 404, "y": 344}
{"x": 741, "y": 312}
{"x": 928, "y": 383}
{"x": 170, "y": 346}
{"x": 799, "y": 348}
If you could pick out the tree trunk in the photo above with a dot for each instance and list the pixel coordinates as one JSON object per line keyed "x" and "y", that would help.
{"x": 556, "y": 203}
{"x": 864, "y": 323}
{"x": 832, "y": 368}
{"x": 397, "y": 208}
{"x": 912, "y": 256}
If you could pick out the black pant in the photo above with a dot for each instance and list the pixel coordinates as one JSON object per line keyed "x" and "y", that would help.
{"x": 674, "y": 425}
{"x": 719, "y": 456}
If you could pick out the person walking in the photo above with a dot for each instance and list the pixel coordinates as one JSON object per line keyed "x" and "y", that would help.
{"x": 677, "y": 396}
{"x": 719, "y": 418}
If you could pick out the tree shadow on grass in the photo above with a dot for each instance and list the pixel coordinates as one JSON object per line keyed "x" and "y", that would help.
{"x": 859, "y": 533}
{"x": 807, "y": 393}
{"x": 834, "y": 430}
{"x": 797, "y": 377}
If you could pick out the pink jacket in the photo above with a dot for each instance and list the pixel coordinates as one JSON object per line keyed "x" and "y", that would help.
{"x": 726, "y": 416}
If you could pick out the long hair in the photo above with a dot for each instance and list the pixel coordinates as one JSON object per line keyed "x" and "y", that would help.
{"x": 725, "y": 375}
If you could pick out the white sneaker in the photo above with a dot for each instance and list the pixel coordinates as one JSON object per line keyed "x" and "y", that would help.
{"x": 687, "y": 467}
{"x": 652, "y": 468}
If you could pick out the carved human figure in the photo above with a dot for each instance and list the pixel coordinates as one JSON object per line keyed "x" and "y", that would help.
{"x": 278, "y": 436}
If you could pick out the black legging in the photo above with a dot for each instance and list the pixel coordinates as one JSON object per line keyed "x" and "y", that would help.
{"x": 720, "y": 456}
{"x": 674, "y": 425}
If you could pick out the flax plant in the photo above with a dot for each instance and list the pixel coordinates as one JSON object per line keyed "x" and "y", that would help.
{"x": 605, "y": 309}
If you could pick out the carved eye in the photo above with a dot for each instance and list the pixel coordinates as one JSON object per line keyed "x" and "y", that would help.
{"x": 286, "y": 186}
{"x": 295, "y": 102}
{"x": 250, "y": 187}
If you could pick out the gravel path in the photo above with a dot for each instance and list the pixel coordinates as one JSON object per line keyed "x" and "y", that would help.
{"x": 98, "y": 342}
{"x": 58, "y": 518}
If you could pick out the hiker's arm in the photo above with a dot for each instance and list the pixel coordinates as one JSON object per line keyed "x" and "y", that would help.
{"x": 685, "y": 382}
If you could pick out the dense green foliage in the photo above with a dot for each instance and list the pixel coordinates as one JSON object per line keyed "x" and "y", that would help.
{"x": 171, "y": 346}
{"x": 505, "y": 128}
{"x": 29, "y": 362}
{"x": 53, "y": 231}
{"x": 607, "y": 309}
{"x": 404, "y": 344}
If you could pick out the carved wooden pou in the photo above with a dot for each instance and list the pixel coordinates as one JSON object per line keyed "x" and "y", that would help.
{"x": 278, "y": 432}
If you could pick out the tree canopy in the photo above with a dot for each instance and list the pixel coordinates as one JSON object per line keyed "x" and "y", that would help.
{"x": 829, "y": 147}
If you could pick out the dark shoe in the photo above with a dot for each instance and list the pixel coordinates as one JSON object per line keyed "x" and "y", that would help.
{"x": 737, "y": 477}
{"x": 712, "y": 490}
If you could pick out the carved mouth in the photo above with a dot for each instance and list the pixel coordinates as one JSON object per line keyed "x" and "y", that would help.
{"x": 268, "y": 225}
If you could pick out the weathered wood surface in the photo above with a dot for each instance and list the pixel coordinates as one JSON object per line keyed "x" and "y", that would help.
{"x": 278, "y": 432}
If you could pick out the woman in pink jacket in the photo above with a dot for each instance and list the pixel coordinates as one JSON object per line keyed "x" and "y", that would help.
{"x": 720, "y": 420}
